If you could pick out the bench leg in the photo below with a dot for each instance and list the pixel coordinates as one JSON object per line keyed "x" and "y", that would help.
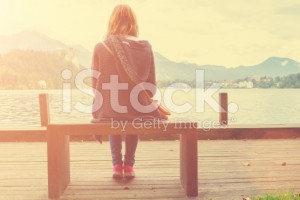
{"x": 65, "y": 158}
{"x": 58, "y": 163}
{"x": 189, "y": 164}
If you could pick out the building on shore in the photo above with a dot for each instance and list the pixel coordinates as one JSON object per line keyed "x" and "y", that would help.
{"x": 246, "y": 84}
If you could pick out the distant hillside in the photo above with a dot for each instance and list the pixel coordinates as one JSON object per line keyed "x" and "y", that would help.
{"x": 168, "y": 70}
{"x": 27, "y": 50}
{"x": 28, "y": 40}
{"x": 24, "y": 69}
{"x": 32, "y": 40}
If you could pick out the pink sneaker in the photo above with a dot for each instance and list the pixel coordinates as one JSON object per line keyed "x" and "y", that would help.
{"x": 128, "y": 171}
{"x": 117, "y": 172}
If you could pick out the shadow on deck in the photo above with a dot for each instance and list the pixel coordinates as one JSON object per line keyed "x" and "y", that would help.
{"x": 227, "y": 170}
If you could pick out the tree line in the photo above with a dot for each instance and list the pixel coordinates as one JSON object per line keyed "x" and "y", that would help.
{"x": 24, "y": 69}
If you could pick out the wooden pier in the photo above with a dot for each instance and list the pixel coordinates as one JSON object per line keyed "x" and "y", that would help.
{"x": 227, "y": 169}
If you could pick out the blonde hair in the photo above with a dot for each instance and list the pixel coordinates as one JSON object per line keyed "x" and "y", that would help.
{"x": 123, "y": 22}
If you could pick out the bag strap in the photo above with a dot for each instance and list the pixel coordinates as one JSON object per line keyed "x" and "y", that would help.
{"x": 107, "y": 48}
{"x": 160, "y": 108}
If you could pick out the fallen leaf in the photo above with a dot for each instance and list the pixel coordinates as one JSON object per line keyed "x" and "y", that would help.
{"x": 246, "y": 198}
{"x": 247, "y": 164}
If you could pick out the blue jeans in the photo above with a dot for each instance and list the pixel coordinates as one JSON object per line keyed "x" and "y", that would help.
{"x": 116, "y": 149}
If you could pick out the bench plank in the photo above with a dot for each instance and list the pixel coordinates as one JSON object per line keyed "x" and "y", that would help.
{"x": 138, "y": 128}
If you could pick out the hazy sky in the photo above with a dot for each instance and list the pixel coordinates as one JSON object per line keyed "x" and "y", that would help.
{"x": 229, "y": 32}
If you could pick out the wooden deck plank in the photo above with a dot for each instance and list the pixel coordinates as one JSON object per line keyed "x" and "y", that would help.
{"x": 222, "y": 175}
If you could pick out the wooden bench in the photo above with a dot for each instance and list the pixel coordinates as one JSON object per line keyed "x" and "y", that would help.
{"x": 58, "y": 137}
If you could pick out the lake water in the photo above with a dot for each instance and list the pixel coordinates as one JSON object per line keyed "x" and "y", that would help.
{"x": 255, "y": 106}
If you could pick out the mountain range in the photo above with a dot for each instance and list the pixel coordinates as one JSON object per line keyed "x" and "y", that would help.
{"x": 32, "y": 40}
{"x": 166, "y": 69}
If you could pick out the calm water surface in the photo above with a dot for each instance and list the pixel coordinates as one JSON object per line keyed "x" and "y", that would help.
{"x": 255, "y": 106}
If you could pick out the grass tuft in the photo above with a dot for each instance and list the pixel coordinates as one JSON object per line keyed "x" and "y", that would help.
{"x": 279, "y": 196}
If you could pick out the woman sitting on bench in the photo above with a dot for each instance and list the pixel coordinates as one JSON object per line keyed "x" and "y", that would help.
{"x": 125, "y": 66}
